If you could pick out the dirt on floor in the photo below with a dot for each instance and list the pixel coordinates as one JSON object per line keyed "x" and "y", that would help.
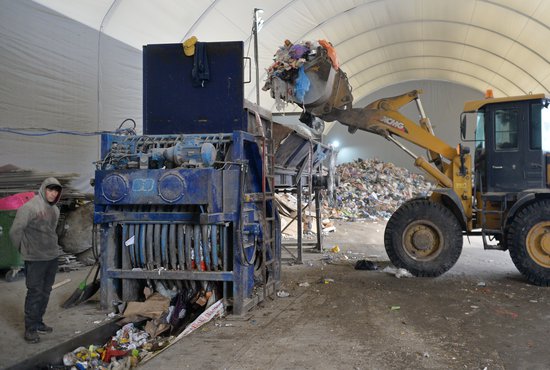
{"x": 481, "y": 314}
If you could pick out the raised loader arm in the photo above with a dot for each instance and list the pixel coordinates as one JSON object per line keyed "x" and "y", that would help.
{"x": 382, "y": 117}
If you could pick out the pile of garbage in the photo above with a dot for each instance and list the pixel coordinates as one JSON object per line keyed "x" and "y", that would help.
{"x": 123, "y": 350}
{"x": 149, "y": 327}
{"x": 372, "y": 189}
{"x": 286, "y": 77}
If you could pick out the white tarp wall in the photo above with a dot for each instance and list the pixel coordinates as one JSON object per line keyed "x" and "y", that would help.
{"x": 50, "y": 78}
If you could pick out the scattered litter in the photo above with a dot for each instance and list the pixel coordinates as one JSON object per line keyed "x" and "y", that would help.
{"x": 98, "y": 322}
{"x": 219, "y": 324}
{"x": 335, "y": 249}
{"x": 304, "y": 284}
{"x": 505, "y": 312}
{"x": 366, "y": 265}
{"x": 282, "y": 294}
{"x": 474, "y": 307}
{"x": 327, "y": 281}
{"x": 130, "y": 241}
{"x": 329, "y": 229}
{"x": 426, "y": 354}
{"x": 334, "y": 258}
{"x": 481, "y": 283}
{"x": 395, "y": 308}
{"x": 398, "y": 272}
{"x": 533, "y": 301}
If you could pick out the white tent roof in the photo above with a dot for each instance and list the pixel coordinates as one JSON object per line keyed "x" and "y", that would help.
{"x": 58, "y": 73}
{"x": 497, "y": 44}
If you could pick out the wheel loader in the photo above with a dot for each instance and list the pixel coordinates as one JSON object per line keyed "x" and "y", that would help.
{"x": 503, "y": 194}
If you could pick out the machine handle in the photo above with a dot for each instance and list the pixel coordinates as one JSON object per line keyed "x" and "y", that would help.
{"x": 497, "y": 167}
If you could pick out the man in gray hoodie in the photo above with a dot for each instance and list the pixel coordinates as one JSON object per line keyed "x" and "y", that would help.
{"x": 33, "y": 233}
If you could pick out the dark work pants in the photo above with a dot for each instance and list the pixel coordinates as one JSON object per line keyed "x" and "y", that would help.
{"x": 40, "y": 276}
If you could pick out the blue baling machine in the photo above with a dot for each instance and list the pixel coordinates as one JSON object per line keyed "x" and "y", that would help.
{"x": 189, "y": 204}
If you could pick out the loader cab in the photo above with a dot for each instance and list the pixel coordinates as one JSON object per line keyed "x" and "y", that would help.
{"x": 512, "y": 141}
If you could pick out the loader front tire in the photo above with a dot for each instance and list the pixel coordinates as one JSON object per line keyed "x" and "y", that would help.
{"x": 423, "y": 237}
{"x": 528, "y": 241}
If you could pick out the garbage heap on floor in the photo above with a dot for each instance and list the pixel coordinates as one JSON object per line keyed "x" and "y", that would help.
{"x": 372, "y": 189}
{"x": 148, "y": 327}
{"x": 368, "y": 190}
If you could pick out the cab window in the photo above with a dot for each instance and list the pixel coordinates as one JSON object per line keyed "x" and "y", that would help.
{"x": 535, "y": 139}
{"x": 506, "y": 129}
{"x": 480, "y": 130}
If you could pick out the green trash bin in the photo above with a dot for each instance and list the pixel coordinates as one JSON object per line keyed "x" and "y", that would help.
{"x": 10, "y": 258}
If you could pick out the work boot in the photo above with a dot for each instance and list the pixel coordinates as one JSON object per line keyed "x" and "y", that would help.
{"x": 43, "y": 328}
{"x": 31, "y": 336}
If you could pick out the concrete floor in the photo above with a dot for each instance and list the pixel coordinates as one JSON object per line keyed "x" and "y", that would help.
{"x": 67, "y": 323}
{"x": 481, "y": 314}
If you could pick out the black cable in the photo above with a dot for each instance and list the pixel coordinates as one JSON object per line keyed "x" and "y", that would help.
{"x": 126, "y": 120}
{"x": 41, "y": 131}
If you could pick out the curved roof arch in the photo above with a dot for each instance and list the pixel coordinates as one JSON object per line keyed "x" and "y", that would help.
{"x": 434, "y": 62}
{"x": 484, "y": 54}
{"x": 413, "y": 73}
{"x": 498, "y": 44}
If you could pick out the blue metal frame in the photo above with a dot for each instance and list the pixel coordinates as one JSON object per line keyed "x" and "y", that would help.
{"x": 174, "y": 214}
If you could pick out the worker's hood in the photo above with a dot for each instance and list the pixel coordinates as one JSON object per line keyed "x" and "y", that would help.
{"x": 50, "y": 181}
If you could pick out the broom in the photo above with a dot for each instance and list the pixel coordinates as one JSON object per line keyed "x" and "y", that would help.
{"x": 74, "y": 298}
{"x": 89, "y": 289}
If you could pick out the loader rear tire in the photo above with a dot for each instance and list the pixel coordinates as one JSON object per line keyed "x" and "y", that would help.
{"x": 423, "y": 237}
{"x": 529, "y": 242}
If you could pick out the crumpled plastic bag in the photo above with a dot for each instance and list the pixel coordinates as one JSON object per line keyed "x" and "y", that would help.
{"x": 301, "y": 86}
{"x": 398, "y": 272}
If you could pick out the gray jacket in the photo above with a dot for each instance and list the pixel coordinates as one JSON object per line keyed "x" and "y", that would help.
{"x": 33, "y": 230}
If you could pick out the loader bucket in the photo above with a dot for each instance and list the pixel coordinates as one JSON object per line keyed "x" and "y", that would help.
{"x": 329, "y": 87}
